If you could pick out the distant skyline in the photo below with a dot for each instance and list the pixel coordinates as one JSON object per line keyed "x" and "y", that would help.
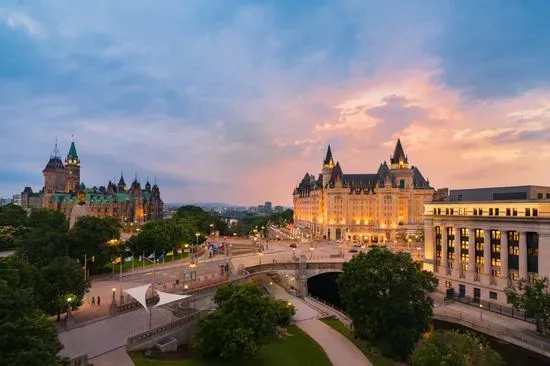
{"x": 234, "y": 101}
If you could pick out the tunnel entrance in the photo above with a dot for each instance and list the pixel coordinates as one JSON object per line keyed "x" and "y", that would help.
{"x": 324, "y": 287}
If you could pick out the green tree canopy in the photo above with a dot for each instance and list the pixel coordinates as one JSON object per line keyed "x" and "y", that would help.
{"x": 48, "y": 219}
{"x": 90, "y": 236}
{"x": 387, "y": 296}
{"x": 533, "y": 297}
{"x": 27, "y": 337}
{"x": 40, "y": 245}
{"x": 245, "y": 320}
{"x": 453, "y": 348}
{"x": 60, "y": 279}
{"x": 12, "y": 215}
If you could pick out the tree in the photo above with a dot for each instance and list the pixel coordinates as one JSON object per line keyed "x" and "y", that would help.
{"x": 455, "y": 349}
{"x": 12, "y": 215}
{"x": 27, "y": 337}
{"x": 59, "y": 280}
{"x": 40, "y": 245}
{"x": 387, "y": 297}
{"x": 533, "y": 297}
{"x": 48, "y": 219}
{"x": 244, "y": 321}
{"x": 90, "y": 236}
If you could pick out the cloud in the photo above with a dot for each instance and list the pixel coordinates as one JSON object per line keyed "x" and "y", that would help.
{"x": 22, "y": 21}
{"x": 234, "y": 101}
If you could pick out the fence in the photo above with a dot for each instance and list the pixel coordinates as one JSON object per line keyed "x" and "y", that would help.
{"x": 155, "y": 332}
{"x": 495, "y": 308}
{"x": 494, "y": 330}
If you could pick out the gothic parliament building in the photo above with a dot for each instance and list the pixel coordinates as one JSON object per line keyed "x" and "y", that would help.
{"x": 363, "y": 208}
{"x": 62, "y": 187}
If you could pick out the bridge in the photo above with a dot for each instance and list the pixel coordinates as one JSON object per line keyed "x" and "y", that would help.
{"x": 298, "y": 272}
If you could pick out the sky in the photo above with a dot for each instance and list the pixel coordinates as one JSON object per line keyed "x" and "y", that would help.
{"x": 235, "y": 100}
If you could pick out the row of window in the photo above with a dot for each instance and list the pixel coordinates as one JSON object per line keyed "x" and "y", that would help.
{"x": 479, "y": 211}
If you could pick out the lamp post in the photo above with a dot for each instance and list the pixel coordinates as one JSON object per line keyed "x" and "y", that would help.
{"x": 112, "y": 308}
{"x": 69, "y": 321}
{"x": 311, "y": 249}
{"x": 480, "y": 311}
{"x": 260, "y": 256}
{"x": 211, "y": 229}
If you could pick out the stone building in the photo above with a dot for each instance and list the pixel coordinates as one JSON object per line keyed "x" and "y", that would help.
{"x": 372, "y": 207}
{"x": 477, "y": 247}
{"x": 62, "y": 184}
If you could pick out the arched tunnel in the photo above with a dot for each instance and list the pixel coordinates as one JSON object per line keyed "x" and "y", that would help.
{"x": 324, "y": 287}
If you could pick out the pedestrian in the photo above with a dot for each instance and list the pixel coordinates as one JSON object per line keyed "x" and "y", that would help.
{"x": 98, "y": 301}
{"x": 93, "y": 301}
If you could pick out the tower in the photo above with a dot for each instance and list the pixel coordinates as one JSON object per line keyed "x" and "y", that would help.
{"x": 399, "y": 160}
{"x": 54, "y": 174}
{"x": 400, "y": 167}
{"x": 121, "y": 184}
{"x": 72, "y": 168}
{"x": 328, "y": 166}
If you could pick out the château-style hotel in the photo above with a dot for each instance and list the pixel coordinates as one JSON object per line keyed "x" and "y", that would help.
{"x": 362, "y": 207}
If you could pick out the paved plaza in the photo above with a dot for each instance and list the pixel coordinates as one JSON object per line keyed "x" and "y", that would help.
{"x": 108, "y": 334}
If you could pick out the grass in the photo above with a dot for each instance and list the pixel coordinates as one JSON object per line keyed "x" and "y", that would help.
{"x": 296, "y": 349}
{"x": 126, "y": 266}
{"x": 368, "y": 349}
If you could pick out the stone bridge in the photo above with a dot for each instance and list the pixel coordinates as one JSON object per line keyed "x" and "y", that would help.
{"x": 297, "y": 273}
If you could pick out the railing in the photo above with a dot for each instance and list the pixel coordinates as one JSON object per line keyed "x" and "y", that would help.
{"x": 494, "y": 308}
{"x": 148, "y": 335}
{"x": 340, "y": 310}
{"x": 495, "y": 330}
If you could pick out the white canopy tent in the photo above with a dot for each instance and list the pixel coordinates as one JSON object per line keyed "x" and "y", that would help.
{"x": 140, "y": 294}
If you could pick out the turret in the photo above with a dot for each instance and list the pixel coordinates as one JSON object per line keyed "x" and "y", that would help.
{"x": 399, "y": 160}
{"x": 121, "y": 184}
{"x": 328, "y": 167}
{"x": 72, "y": 167}
{"x": 54, "y": 173}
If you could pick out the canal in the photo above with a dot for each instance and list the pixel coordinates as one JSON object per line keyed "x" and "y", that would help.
{"x": 324, "y": 287}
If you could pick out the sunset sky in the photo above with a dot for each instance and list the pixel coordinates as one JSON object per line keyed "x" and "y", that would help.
{"x": 234, "y": 101}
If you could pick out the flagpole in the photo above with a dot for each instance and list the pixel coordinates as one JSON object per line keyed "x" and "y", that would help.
{"x": 120, "y": 278}
{"x": 133, "y": 269}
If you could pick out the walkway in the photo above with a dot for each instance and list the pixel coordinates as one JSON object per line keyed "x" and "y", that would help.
{"x": 117, "y": 357}
{"x": 105, "y": 335}
{"x": 340, "y": 351}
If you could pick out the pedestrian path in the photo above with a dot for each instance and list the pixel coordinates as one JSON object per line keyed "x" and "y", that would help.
{"x": 117, "y": 357}
{"x": 340, "y": 351}
{"x": 105, "y": 335}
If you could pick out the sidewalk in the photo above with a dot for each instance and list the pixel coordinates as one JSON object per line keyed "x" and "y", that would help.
{"x": 515, "y": 331}
{"x": 340, "y": 351}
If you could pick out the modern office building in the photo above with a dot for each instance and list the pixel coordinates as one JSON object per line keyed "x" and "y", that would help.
{"x": 362, "y": 207}
{"x": 478, "y": 245}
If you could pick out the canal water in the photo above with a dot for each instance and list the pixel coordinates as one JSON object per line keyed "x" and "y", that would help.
{"x": 324, "y": 287}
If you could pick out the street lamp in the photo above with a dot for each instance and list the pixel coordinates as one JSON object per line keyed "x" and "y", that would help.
{"x": 311, "y": 249}
{"x": 480, "y": 311}
{"x": 260, "y": 256}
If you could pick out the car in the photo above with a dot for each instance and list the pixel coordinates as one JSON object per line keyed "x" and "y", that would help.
{"x": 293, "y": 245}
{"x": 338, "y": 241}
{"x": 353, "y": 250}
{"x": 357, "y": 245}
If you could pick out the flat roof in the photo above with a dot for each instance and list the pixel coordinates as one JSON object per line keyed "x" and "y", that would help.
{"x": 497, "y": 187}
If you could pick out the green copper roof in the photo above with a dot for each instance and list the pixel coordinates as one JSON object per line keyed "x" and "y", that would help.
{"x": 72, "y": 151}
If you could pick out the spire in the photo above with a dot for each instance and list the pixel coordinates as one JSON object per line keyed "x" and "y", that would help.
{"x": 121, "y": 182}
{"x": 329, "y": 161}
{"x": 55, "y": 153}
{"x": 72, "y": 151}
{"x": 399, "y": 158}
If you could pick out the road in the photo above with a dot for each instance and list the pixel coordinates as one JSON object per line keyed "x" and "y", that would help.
{"x": 167, "y": 274}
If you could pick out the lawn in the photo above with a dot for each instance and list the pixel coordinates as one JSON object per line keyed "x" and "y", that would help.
{"x": 296, "y": 349}
{"x": 368, "y": 350}
{"x": 126, "y": 266}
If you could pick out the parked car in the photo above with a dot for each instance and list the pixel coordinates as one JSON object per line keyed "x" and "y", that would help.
{"x": 293, "y": 245}
{"x": 354, "y": 250}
